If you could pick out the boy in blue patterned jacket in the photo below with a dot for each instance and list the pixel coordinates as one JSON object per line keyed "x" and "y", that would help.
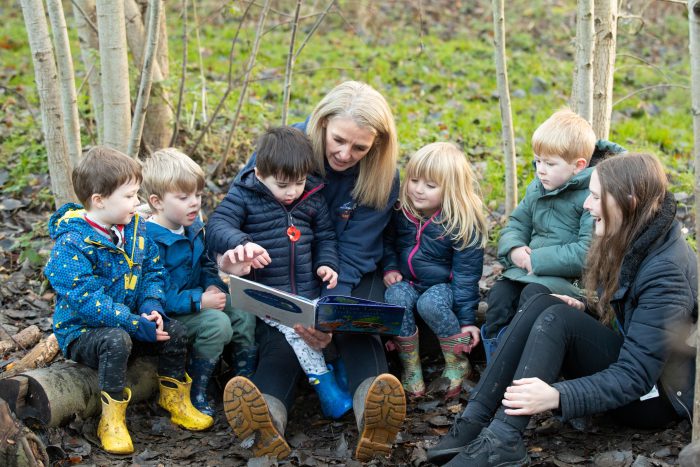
{"x": 109, "y": 287}
{"x": 194, "y": 293}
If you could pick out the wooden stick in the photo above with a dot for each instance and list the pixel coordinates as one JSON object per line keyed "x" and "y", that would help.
{"x": 24, "y": 339}
{"x": 40, "y": 355}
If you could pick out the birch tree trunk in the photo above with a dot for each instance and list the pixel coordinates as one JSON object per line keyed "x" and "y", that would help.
{"x": 604, "y": 65}
{"x": 46, "y": 78}
{"x": 146, "y": 78}
{"x": 66, "y": 74}
{"x": 583, "y": 74}
{"x": 86, "y": 19}
{"x": 499, "y": 40}
{"x": 694, "y": 20}
{"x": 156, "y": 130}
{"x": 115, "y": 73}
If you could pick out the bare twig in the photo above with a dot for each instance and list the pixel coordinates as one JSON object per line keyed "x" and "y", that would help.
{"x": 649, "y": 88}
{"x": 184, "y": 73}
{"x": 244, "y": 89}
{"x": 313, "y": 29}
{"x": 87, "y": 77}
{"x": 290, "y": 65}
{"x": 146, "y": 78}
{"x": 85, "y": 15}
{"x": 229, "y": 86}
{"x": 202, "y": 79}
{"x": 646, "y": 62}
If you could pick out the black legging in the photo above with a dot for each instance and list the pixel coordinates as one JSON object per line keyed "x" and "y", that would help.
{"x": 278, "y": 368}
{"x": 548, "y": 339}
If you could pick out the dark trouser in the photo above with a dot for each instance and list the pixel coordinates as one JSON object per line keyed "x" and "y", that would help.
{"x": 548, "y": 339}
{"x": 505, "y": 298}
{"x": 278, "y": 367}
{"x": 108, "y": 351}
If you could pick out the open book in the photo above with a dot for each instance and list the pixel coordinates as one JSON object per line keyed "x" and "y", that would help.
{"x": 334, "y": 313}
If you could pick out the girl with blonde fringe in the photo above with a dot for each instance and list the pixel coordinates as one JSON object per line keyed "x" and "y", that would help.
{"x": 433, "y": 260}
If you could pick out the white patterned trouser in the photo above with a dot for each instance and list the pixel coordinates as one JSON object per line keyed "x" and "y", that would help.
{"x": 311, "y": 360}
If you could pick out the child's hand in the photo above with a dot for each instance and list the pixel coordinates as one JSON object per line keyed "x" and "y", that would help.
{"x": 241, "y": 259}
{"x": 213, "y": 298}
{"x": 521, "y": 258}
{"x": 474, "y": 333}
{"x": 392, "y": 277}
{"x": 327, "y": 275}
{"x": 572, "y": 302}
{"x": 161, "y": 335}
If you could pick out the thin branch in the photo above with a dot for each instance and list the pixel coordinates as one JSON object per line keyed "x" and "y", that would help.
{"x": 648, "y": 88}
{"x": 87, "y": 76}
{"x": 290, "y": 65}
{"x": 244, "y": 89}
{"x": 229, "y": 86}
{"x": 646, "y": 62}
{"x": 313, "y": 29}
{"x": 82, "y": 12}
{"x": 184, "y": 73}
{"x": 154, "y": 8}
{"x": 202, "y": 79}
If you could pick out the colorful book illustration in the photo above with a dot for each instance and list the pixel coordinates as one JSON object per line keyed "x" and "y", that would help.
{"x": 333, "y": 313}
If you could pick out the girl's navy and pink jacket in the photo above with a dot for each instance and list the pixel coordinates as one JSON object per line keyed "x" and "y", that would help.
{"x": 250, "y": 213}
{"x": 425, "y": 256}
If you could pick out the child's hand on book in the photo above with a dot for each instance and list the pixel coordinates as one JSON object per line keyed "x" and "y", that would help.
{"x": 327, "y": 275}
{"x": 213, "y": 298}
{"x": 313, "y": 337}
{"x": 392, "y": 277}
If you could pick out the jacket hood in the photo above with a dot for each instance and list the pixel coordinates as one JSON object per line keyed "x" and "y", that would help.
{"x": 67, "y": 217}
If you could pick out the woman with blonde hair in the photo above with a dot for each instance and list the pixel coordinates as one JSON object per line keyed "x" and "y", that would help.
{"x": 623, "y": 351}
{"x": 353, "y": 134}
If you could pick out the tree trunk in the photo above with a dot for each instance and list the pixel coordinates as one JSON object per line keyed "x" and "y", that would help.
{"x": 146, "y": 78}
{"x": 86, "y": 21}
{"x": 604, "y": 65}
{"x": 159, "y": 115}
{"x": 115, "y": 73}
{"x": 24, "y": 339}
{"x": 694, "y": 20}
{"x": 66, "y": 75}
{"x": 499, "y": 41}
{"x": 582, "y": 97}
{"x": 46, "y": 77}
{"x": 19, "y": 447}
{"x": 53, "y": 395}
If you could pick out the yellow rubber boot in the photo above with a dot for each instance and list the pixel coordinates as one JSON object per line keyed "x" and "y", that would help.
{"x": 112, "y": 429}
{"x": 175, "y": 398}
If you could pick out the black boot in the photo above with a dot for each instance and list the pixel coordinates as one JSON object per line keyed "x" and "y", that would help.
{"x": 461, "y": 433}
{"x": 200, "y": 370}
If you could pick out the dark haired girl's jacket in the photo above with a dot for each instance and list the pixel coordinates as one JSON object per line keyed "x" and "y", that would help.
{"x": 425, "y": 256}
{"x": 655, "y": 306}
{"x": 250, "y": 213}
{"x": 358, "y": 228}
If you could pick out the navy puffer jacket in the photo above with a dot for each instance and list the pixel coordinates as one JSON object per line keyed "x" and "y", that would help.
{"x": 250, "y": 213}
{"x": 426, "y": 256}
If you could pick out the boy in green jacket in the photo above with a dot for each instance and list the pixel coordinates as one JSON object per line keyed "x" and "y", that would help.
{"x": 547, "y": 235}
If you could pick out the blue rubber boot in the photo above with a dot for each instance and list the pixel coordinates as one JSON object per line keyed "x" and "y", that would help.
{"x": 246, "y": 361}
{"x": 200, "y": 370}
{"x": 490, "y": 345}
{"x": 334, "y": 402}
{"x": 341, "y": 375}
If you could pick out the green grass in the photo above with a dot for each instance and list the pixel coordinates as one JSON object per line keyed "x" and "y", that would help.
{"x": 440, "y": 82}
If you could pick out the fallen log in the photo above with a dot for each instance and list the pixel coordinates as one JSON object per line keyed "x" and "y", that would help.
{"x": 24, "y": 339}
{"x": 51, "y": 396}
{"x": 40, "y": 355}
{"x": 19, "y": 447}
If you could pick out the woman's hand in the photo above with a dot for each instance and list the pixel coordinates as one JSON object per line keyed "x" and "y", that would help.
{"x": 475, "y": 335}
{"x": 392, "y": 277}
{"x": 327, "y": 275}
{"x": 521, "y": 258}
{"x": 313, "y": 337}
{"x": 572, "y": 302}
{"x": 529, "y": 396}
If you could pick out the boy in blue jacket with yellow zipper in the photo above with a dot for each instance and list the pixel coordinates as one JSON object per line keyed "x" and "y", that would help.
{"x": 194, "y": 293}
{"x": 109, "y": 288}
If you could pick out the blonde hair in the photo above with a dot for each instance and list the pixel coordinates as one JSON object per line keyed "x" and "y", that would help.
{"x": 565, "y": 134}
{"x": 462, "y": 213}
{"x": 368, "y": 109}
{"x": 170, "y": 171}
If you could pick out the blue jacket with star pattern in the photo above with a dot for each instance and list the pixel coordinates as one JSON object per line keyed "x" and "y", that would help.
{"x": 96, "y": 283}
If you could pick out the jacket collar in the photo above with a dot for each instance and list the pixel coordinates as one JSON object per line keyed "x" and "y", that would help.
{"x": 167, "y": 237}
{"x": 577, "y": 182}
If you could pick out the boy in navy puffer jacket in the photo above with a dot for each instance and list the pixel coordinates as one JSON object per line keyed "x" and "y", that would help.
{"x": 194, "y": 293}
{"x": 109, "y": 294}
{"x": 277, "y": 208}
